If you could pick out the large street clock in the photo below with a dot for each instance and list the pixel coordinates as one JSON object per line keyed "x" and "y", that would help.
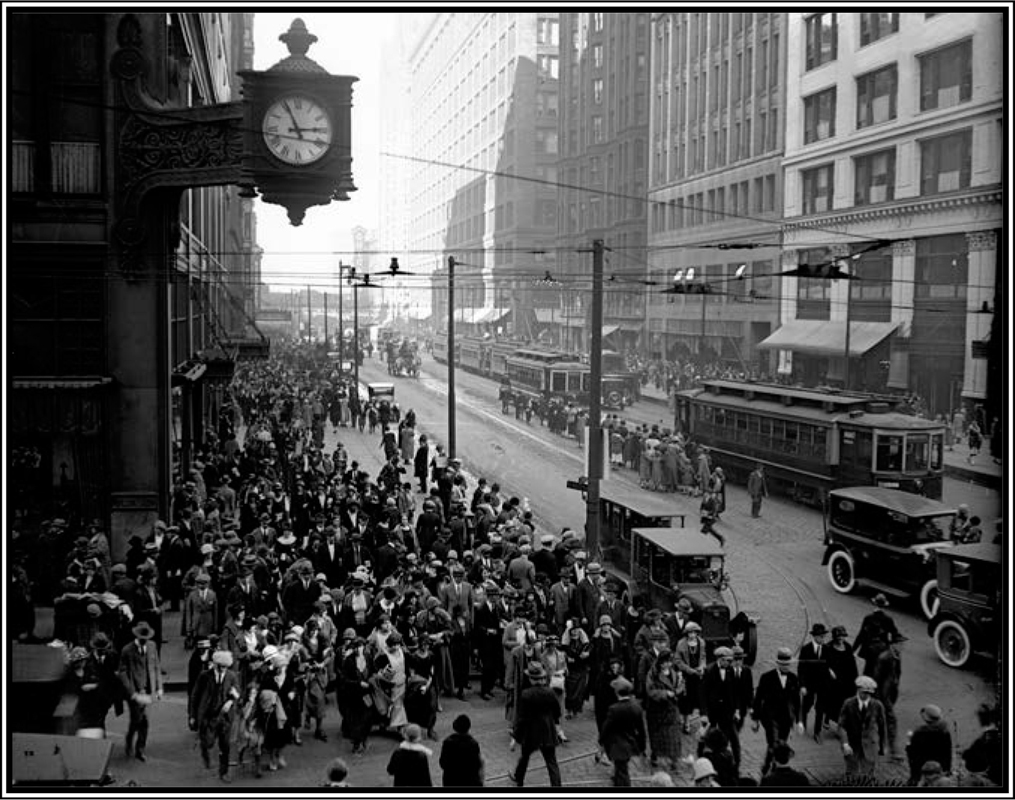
{"x": 297, "y": 129}
{"x": 297, "y": 136}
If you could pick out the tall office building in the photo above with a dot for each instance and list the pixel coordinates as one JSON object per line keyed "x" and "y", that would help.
{"x": 604, "y": 120}
{"x": 481, "y": 86}
{"x": 715, "y": 188}
{"x": 893, "y": 169}
{"x": 116, "y": 376}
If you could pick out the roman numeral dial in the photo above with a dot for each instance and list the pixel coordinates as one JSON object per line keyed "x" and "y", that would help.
{"x": 297, "y": 130}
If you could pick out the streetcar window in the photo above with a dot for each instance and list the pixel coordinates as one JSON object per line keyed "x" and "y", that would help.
{"x": 917, "y": 452}
{"x": 936, "y": 451}
{"x": 720, "y": 417}
{"x": 889, "y": 458}
{"x": 558, "y": 381}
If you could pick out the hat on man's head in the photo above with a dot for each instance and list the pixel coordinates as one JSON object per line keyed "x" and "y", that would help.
{"x": 784, "y": 655}
{"x": 143, "y": 630}
{"x": 724, "y": 652}
{"x": 931, "y": 713}
{"x": 692, "y": 627}
{"x": 622, "y": 686}
{"x": 594, "y": 568}
{"x": 738, "y": 651}
{"x": 866, "y": 683}
{"x": 818, "y": 629}
{"x": 222, "y": 658}
{"x": 100, "y": 641}
{"x": 535, "y": 671}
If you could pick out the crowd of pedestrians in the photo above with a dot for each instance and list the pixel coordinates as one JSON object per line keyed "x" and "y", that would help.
{"x": 311, "y": 589}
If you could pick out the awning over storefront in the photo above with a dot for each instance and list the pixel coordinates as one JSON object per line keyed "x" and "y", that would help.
{"x": 47, "y": 382}
{"x": 548, "y": 315}
{"x": 493, "y": 315}
{"x": 827, "y": 338}
{"x": 608, "y": 329}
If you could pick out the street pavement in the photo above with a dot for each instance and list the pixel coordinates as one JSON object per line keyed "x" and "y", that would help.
{"x": 787, "y": 532}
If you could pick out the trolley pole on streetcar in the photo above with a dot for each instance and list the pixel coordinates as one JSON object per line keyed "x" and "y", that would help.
{"x": 595, "y": 439}
{"x": 451, "y": 357}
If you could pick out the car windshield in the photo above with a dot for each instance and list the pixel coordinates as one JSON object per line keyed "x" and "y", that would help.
{"x": 931, "y": 529}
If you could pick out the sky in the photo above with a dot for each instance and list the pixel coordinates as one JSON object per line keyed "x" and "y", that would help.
{"x": 348, "y": 44}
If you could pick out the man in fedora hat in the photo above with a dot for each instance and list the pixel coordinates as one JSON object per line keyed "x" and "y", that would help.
{"x": 782, "y": 774}
{"x": 536, "y": 724}
{"x": 777, "y": 703}
{"x": 813, "y": 671}
{"x": 142, "y": 680}
{"x": 623, "y": 733}
{"x": 588, "y": 596}
{"x": 103, "y": 664}
{"x": 862, "y": 729}
{"x": 930, "y": 741}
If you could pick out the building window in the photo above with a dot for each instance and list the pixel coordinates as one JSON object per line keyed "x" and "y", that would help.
{"x": 547, "y": 67}
{"x": 546, "y": 141}
{"x": 875, "y": 178}
{"x": 946, "y": 162}
{"x": 818, "y": 188}
{"x": 597, "y": 129}
{"x": 813, "y": 288}
{"x": 547, "y": 104}
{"x": 942, "y": 267}
{"x": 877, "y": 25}
{"x": 819, "y": 116}
{"x": 822, "y": 34}
{"x": 598, "y": 18}
{"x": 875, "y": 96}
{"x": 597, "y": 56}
{"x": 597, "y": 90}
{"x": 548, "y": 31}
{"x": 946, "y": 76}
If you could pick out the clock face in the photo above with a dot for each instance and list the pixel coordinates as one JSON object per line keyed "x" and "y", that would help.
{"x": 297, "y": 129}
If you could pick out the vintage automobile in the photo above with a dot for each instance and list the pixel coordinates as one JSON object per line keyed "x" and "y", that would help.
{"x": 381, "y": 391}
{"x": 885, "y": 539}
{"x": 669, "y": 564}
{"x": 967, "y": 616}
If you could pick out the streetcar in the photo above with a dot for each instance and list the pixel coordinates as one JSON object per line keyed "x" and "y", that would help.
{"x": 645, "y": 547}
{"x": 543, "y": 374}
{"x": 473, "y": 354}
{"x": 813, "y": 440}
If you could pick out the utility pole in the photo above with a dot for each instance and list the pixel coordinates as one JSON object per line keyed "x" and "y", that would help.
{"x": 355, "y": 334}
{"x": 845, "y": 368}
{"x": 701, "y": 341}
{"x": 341, "y": 323}
{"x": 595, "y": 439}
{"x": 310, "y": 319}
{"x": 451, "y": 356}
{"x": 327, "y": 342}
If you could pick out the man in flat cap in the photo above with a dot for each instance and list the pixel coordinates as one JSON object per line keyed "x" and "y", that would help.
{"x": 215, "y": 699}
{"x": 862, "y": 729}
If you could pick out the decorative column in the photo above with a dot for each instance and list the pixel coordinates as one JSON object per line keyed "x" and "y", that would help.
{"x": 903, "y": 285}
{"x": 979, "y": 310}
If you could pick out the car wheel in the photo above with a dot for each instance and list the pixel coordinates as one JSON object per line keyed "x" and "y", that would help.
{"x": 929, "y": 601}
{"x": 952, "y": 643}
{"x": 841, "y": 572}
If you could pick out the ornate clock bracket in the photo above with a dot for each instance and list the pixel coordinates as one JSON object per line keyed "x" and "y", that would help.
{"x": 161, "y": 150}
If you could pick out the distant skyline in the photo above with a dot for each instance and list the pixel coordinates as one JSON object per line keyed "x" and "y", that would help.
{"x": 348, "y": 44}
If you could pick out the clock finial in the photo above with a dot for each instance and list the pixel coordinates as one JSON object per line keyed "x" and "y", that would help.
{"x": 298, "y": 39}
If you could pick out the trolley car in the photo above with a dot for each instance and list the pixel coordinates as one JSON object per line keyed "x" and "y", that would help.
{"x": 813, "y": 440}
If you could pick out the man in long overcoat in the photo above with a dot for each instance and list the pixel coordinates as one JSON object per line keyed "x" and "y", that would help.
{"x": 777, "y": 703}
{"x": 216, "y": 695}
{"x": 623, "y": 733}
{"x": 536, "y": 724}
{"x": 142, "y": 680}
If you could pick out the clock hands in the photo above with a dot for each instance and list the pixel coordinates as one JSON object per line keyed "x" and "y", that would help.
{"x": 296, "y": 126}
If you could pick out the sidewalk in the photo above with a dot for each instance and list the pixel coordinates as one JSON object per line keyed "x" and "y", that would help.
{"x": 984, "y": 471}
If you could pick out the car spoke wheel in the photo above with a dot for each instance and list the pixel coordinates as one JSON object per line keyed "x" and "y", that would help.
{"x": 841, "y": 572}
{"x": 929, "y": 601}
{"x": 952, "y": 643}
